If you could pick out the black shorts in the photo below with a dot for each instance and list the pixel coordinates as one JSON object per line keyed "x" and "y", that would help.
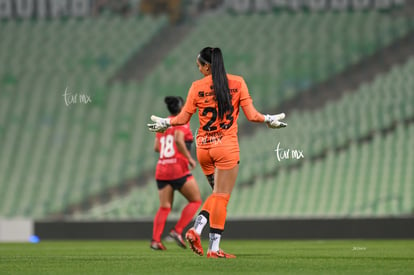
{"x": 175, "y": 184}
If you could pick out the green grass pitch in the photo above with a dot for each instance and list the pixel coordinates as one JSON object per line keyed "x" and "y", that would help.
{"x": 253, "y": 257}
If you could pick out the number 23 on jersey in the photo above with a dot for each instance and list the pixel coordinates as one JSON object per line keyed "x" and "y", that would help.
{"x": 208, "y": 126}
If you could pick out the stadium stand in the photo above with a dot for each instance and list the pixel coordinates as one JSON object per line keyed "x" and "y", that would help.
{"x": 385, "y": 103}
{"x": 366, "y": 178}
{"x": 54, "y": 155}
{"x": 281, "y": 54}
{"x": 374, "y": 106}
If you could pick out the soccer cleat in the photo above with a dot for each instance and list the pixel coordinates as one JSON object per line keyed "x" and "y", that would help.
{"x": 174, "y": 236}
{"x": 194, "y": 240}
{"x": 219, "y": 254}
{"x": 157, "y": 245}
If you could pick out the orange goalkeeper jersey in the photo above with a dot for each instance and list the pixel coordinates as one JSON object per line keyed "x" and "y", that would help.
{"x": 212, "y": 130}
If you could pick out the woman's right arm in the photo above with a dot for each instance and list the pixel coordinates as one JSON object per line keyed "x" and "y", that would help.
{"x": 182, "y": 148}
{"x": 272, "y": 121}
{"x": 252, "y": 114}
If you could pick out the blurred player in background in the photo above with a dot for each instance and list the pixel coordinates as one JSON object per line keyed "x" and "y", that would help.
{"x": 218, "y": 97}
{"x": 172, "y": 173}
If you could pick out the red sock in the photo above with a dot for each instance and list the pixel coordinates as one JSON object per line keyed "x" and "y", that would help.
{"x": 159, "y": 223}
{"x": 218, "y": 211}
{"x": 187, "y": 215}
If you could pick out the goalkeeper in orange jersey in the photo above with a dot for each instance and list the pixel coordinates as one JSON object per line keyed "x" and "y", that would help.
{"x": 218, "y": 97}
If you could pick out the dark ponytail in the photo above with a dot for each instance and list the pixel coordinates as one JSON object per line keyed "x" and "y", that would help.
{"x": 214, "y": 57}
{"x": 174, "y": 104}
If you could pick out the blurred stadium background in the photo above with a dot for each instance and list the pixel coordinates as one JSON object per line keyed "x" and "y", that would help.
{"x": 342, "y": 70}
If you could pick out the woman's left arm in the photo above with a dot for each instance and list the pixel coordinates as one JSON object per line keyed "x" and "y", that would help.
{"x": 156, "y": 145}
{"x": 182, "y": 118}
{"x": 161, "y": 124}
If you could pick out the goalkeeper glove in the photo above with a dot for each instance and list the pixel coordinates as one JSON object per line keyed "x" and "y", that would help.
{"x": 272, "y": 121}
{"x": 160, "y": 125}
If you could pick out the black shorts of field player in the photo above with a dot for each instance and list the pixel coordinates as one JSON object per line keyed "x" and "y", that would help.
{"x": 175, "y": 184}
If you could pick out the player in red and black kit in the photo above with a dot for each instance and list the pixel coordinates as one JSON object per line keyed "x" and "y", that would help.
{"x": 172, "y": 173}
